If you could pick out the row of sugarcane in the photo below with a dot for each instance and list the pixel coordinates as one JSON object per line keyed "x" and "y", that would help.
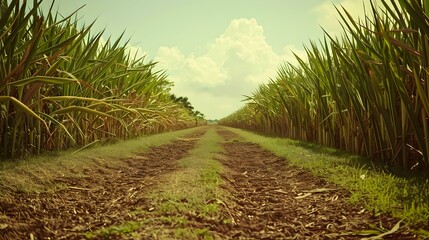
{"x": 366, "y": 91}
{"x": 63, "y": 87}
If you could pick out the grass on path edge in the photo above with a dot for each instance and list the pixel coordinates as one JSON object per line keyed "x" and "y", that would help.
{"x": 37, "y": 174}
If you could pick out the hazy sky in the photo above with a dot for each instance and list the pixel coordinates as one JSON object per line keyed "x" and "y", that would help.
{"x": 215, "y": 51}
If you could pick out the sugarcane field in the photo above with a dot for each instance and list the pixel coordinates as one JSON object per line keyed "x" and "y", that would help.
{"x": 219, "y": 119}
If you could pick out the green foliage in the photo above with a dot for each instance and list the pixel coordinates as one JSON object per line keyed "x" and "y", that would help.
{"x": 62, "y": 86}
{"x": 366, "y": 92}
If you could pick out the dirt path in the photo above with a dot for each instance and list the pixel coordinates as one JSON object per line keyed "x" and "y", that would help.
{"x": 268, "y": 199}
{"x": 106, "y": 198}
{"x": 276, "y": 201}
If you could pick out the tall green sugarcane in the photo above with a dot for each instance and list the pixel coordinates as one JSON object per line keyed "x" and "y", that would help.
{"x": 62, "y": 87}
{"x": 365, "y": 92}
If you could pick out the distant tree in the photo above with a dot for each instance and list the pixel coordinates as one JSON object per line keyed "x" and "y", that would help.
{"x": 184, "y": 101}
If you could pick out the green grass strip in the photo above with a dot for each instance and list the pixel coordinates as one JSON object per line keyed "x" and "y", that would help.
{"x": 379, "y": 191}
{"x": 190, "y": 193}
{"x": 197, "y": 181}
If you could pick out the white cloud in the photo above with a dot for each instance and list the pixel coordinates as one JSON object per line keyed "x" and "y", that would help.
{"x": 235, "y": 63}
{"x": 200, "y": 70}
{"x": 170, "y": 57}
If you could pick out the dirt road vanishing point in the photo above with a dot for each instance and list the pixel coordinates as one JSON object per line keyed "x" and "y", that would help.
{"x": 264, "y": 198}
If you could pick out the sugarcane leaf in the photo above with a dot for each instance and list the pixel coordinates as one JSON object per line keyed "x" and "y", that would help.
{"x": 42, "y": 79}
{"x": 59, "y": 124}
{"x": 82, "y": 109}
{"x": 391, "y": 231}
{"x": 21, "y": 106}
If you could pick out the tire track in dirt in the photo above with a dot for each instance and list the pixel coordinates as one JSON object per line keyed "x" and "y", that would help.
{"x": 104, "y": 197}
{"x": 273, "y": 200}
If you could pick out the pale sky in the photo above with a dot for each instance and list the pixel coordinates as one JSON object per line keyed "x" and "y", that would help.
{"x": 214, "y": 51}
